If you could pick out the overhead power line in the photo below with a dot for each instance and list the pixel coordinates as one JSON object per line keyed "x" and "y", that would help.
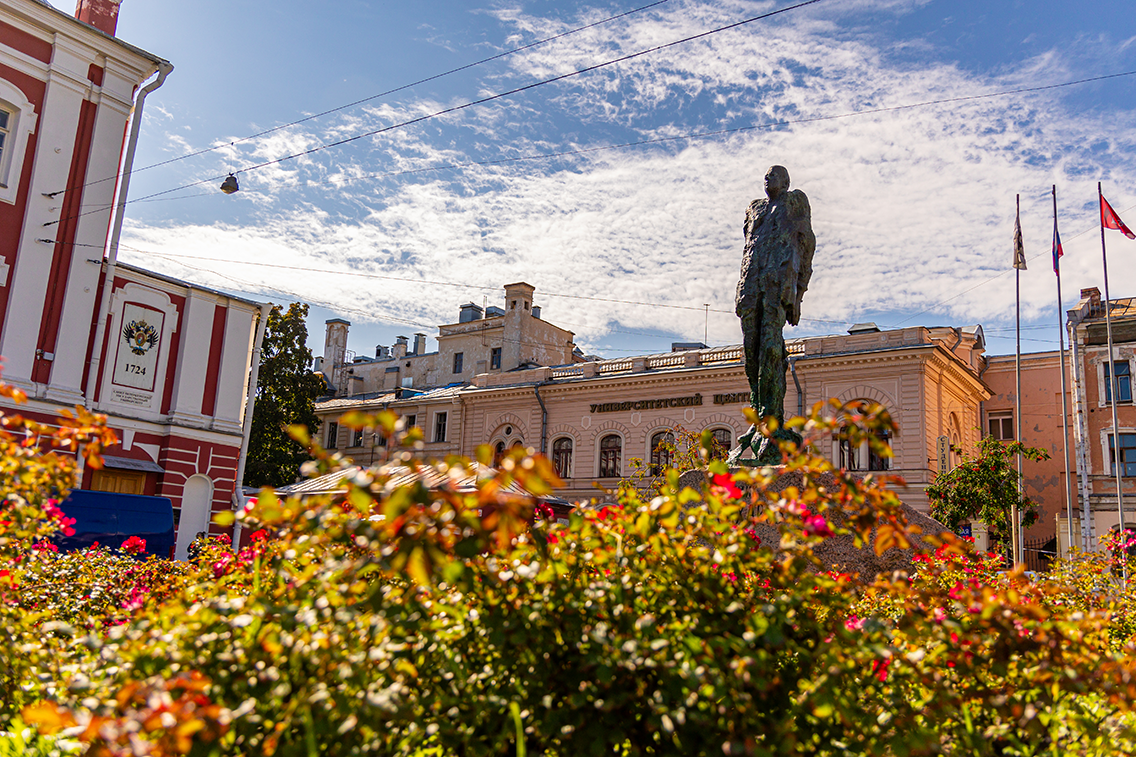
{"x": 399, "y": 88}
{"x": 653, "y": 141}
{"x": 997, "y": 275}
{"x": 459, "y": 284}
{"x": 479, "y": 101}
{"x": 180, "y": 259}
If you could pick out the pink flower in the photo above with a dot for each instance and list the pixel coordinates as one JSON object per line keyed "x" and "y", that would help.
{"x": 51, "y": 507}
{"x": 724, "y": 486}
{"x": 939, "y": 615}
{"x": 44, "y": 546}
{"x": 880, "y": 669}
{"x": 816, "y": 525}
{"x": 221, "y": 567}
{"x": 854, "y": 623}
{"x": 137, "y": 595}
{"x": 260, "y": 535}
{"x": 224, "y": 539}
{"x": 135, "y": 545}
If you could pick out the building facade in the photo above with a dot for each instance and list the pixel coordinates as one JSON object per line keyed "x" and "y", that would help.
{"x": 168, "y": 362}
{"x": 1086, "y": 480}
{"x": 592, "y": 416}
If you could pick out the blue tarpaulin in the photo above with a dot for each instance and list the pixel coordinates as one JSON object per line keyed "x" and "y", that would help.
{"x": 110, "y": 519}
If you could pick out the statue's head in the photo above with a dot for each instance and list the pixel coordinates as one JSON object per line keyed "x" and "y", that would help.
{"x": 776, "y": 181}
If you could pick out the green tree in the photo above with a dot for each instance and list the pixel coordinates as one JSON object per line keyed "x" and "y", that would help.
{"x": 285, "y": 395}
{"x": 984, "y": 487}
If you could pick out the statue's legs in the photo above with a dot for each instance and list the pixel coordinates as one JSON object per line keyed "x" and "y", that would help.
{"x": 751, "y": 343}
{"x": 765, "y": 360}
{"x": 772, "y": 361}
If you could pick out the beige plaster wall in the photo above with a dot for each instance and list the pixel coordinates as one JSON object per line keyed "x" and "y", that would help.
{"x": 1039, "y": 426}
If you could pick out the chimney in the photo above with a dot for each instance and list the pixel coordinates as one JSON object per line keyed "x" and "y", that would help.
{"x": 1092, "y": 294}
{"x": 399, "y": 348}
{"x": 536, "y": 311}
{"x": 101, "y": 14}
{"x": 419, "y": 344}
{"x": 469, "y": 312}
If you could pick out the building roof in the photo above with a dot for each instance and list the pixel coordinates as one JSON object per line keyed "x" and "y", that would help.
{"x": 1121, "y": 308}
{"x": 70, "y": 18}
{"x": 462, "y": 480}
{"x": 186, "y": 284}
{"x": 381, "y": 399}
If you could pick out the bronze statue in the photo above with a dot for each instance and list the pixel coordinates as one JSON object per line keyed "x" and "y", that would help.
{"x": 776, "y": 266}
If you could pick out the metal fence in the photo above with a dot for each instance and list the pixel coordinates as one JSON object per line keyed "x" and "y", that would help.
{"x": 1039, "y": 553}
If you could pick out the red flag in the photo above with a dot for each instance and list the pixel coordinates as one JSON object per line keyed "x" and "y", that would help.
{"x": 1110, "y": 220}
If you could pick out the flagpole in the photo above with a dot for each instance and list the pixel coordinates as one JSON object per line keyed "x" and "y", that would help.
{"x": 1114, "y": 384}
{"x": 1015, "y": 511}
{"x": 1064, "y": 391}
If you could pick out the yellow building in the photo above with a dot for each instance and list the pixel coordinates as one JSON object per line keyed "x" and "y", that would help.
{"x": 520, "y": 380}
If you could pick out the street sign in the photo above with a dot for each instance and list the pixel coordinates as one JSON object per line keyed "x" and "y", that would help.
{"x": 944, "y": 448}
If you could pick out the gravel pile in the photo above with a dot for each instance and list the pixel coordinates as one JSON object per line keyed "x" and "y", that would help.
{"x": 839, "y": 552}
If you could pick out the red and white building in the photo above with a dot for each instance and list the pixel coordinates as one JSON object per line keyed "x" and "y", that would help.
{"x": 169, "y": 363}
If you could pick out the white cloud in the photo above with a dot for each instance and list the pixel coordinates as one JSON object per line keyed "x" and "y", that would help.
{"x": 909, "y": 206}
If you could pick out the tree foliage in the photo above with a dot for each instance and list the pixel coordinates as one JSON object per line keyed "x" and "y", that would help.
{"x": 285, "y": 395}
{"x": 984, "y": 487}
{"x": 397, "y": 619}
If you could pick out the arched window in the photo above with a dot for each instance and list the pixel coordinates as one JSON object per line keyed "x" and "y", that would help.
{"x": 611, "y": 456}
{"x": 850, "y": 457}
{"x": 498, "y": 453}
{"x": 878, "y": 462}
{"x": 562, "y": 457}
{"x": 662, "y": 452}
{"x": 724, "y": 441}
{"x": 861, "y": 457}
{"x": 955, "y": 433}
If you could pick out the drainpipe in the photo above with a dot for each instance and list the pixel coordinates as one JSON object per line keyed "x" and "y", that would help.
{"x": 111, "y": 262}
{"x": 1080, "y": 428}
{"x": 543, "y": 419}
{"x": 958, "y": 337}
{"x": 796, "y": 381}
{"x": 982, "y": 403}
{"x": 246, "y": 434}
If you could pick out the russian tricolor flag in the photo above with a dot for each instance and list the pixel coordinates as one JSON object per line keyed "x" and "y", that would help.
{"x": 1057, "y": 251}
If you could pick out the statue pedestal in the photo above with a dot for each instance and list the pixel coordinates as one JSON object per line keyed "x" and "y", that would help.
{"x": 839, "y": 552}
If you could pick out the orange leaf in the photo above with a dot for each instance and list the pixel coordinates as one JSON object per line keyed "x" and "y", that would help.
{"x": 48, "y": 717}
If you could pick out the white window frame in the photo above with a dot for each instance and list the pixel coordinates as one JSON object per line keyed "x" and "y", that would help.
{"x": 1002, "y": 415}
{"x": 571, "y": 454}
{"x": 1104, "y": 437}
{"x": 445, "y": 430}
{"x": 599, "y": 452}
{"x": 1102, "y": 383}
{"x": 649, "y": 459}
{"x": 21, "y": 125}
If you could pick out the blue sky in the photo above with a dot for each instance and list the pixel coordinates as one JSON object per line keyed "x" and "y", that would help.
{"x": 913, "y": 208}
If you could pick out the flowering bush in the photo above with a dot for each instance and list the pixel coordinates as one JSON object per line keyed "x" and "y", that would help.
{"x": 450, "y": 625}
{"x": 984, "y": 487}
